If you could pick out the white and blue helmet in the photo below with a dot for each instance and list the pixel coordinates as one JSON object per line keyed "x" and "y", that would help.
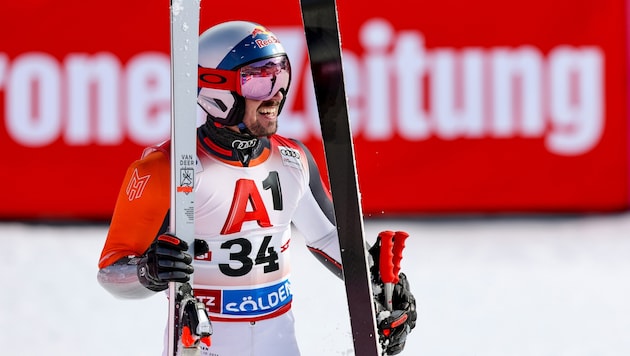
{"x": 227, "y": 54}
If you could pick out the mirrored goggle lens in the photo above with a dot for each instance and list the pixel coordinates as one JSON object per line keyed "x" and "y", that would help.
{"x": 260, "y": 80}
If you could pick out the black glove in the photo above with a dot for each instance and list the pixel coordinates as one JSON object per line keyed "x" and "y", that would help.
{"x": 166, "y": 260}
{"x": 394, "y": 325}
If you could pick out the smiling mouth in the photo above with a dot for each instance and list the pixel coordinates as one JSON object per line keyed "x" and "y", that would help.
{"x": 268, "y": 111}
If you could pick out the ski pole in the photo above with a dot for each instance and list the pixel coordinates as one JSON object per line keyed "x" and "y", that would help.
{"x": 392, "y": 246}
{"x": 399, "y": 246}
{"x": 386, "y": 266}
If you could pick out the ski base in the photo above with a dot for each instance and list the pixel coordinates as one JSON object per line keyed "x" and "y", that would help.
{"x": 324, "y": 47}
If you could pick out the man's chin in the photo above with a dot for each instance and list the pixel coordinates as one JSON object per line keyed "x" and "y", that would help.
{"x": 265, "y": 131}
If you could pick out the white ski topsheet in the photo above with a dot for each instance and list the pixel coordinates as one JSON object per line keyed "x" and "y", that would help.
{"x": 484, "y": 287}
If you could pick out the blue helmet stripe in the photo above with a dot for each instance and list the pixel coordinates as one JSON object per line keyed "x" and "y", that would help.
{"x": 251, "y": 49}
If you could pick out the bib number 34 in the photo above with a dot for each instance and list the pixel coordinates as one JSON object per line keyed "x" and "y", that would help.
{"x": 241, "y": 252}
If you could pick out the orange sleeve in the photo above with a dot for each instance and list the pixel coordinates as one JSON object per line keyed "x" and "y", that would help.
{"x": 141, "y": 207}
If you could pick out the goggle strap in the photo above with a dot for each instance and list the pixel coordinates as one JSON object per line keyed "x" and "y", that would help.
{"x": 218, "y": 79}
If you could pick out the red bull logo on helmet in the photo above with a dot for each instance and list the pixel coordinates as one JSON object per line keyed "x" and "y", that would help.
{"x": 259, "y": 30}
{"x": 264, "y": 42}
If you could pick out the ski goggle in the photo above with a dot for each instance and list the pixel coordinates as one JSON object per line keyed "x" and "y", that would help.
{"x": 260, "y": 80}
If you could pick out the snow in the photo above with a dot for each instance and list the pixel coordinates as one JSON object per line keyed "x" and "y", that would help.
{"x": 485, "y": 286}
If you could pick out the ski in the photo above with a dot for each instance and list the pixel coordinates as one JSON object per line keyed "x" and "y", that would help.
{"x": 324, "y": 47}
{"x": 188, "y": 323}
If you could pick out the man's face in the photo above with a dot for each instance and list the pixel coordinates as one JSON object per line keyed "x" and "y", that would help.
{"x": 261, "y": 117}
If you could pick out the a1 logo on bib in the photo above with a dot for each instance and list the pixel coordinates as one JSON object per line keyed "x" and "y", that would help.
{"x": 290, "y": 157}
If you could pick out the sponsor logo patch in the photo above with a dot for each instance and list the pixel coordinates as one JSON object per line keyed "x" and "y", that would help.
{"x": 290, "y": 157}
{"x": 211, "y": 298}
{"x": 256, "y": 302}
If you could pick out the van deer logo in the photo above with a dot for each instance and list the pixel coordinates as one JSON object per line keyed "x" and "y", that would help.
{"x": 186, "y": 179}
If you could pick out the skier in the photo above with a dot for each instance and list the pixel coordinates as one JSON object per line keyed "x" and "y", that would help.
{"x": 250, "y": 186}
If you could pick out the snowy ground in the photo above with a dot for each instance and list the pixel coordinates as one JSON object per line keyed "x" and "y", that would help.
{"x": 487, "y": 287}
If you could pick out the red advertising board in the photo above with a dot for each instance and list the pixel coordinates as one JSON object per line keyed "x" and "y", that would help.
{"x": 456, "y": 107}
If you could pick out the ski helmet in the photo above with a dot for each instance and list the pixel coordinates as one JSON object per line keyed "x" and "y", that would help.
{"x": 238, "y": 60}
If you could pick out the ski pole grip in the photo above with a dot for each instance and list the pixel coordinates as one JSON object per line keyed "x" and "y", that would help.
{"x": 399, "y": 246}
{"x": 386, "y": 257}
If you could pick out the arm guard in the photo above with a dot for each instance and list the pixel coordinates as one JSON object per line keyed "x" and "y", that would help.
{"x": 121, "y": 279}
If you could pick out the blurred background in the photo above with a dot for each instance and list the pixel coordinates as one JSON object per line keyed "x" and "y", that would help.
{"x": 497, "y": 133}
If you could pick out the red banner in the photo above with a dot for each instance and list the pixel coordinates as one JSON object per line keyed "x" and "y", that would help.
{"x": 457, "y": 107}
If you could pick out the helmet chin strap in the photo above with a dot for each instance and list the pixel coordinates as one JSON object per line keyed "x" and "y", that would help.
{"x": 243, "y": 129}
